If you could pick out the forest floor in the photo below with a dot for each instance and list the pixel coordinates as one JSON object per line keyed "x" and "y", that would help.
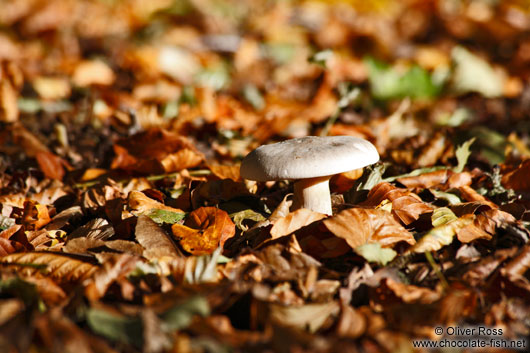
{"x": 125, "y": 225}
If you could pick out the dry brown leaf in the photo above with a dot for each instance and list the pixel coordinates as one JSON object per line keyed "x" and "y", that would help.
{"x": 96, "y": 228}
{"x": 426, "y": 180}
{"x": 8, "y": 102}
{"x": 351, "y": 324}
{"x": 51, "y": 165}
{"x": 412, "y": 294}
{"x": 183, "y": 159}
{"x": 35, "y": 215}
{"x": 405, "y": 205}
{"x": 59, "y": 267}
{"x": 155, "y": 151}
{"x": 517, "y": 269}
{"x": 226, "y": 171}
{"x": 9, "y": 247}
{"x": 154, "y": 240}
{"x": 518, "y": 179}
{"x": 51, "y": 88}
{"x": 115, "y": 268}
{"x": 93, "y": 72}
{"x": 139, "y": 203}
{"x": 359, "y": 226}
{"x": 294, "y": 221}
{"x": 29, "y": 142}
{"x": 433, "y": 150}
{"x": 309, "y": 316}
{"x": 204, "y": 230}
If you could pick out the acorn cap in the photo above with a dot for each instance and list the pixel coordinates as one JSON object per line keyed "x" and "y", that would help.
{"x": 308, "y": 157}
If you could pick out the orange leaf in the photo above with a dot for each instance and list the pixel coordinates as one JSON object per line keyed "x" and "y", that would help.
{"x": 205, "y": 230}
{"x": 35, "y": 214}
{"x": 359, "y": 226}
{"x": 140, "y": 203}
{"x": 294, "y": 221}
{"x": 226, "y": 171}
{"x": 405, "y": 205}
{"x": 51, "y": 165}
{"x": 183, "y": 159}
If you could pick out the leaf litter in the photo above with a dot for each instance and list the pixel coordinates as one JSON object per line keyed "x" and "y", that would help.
{"x": 125, "y": 225}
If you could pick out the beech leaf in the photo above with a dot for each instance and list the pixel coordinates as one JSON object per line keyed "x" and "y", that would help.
{"x": 204, "y": 230}
{"x": 360, "y": 226}
{"x": 375, "y": 253}
{"x": 57, "y": 266}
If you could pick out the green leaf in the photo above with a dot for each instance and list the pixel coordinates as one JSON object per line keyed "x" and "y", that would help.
{"x": 252, "y": 95}
{"x": 282, "y": 53}
{"x": 452, "y": 199}
{"x": 240, "y": 217}
{"x": 388, "y": 83}
{"x": 180, "y": 316}
{"x": 115, "y": 327}
{"x": 473, "y": 74}
{"x": 490, "y": 143}
{"x": 16, "y": 287}
{"x": 164, "y": 216}
{"x": 373, "y": 252}
{"x": 320, "y": 58}
{"x": 6, "y": 222}
{"x": 462, "y": 154}
{"x": 216, "y": 77}
{"x": 415, "y": 172}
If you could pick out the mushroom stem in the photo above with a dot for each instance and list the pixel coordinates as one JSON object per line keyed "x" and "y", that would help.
{"x": 313, "y": 193}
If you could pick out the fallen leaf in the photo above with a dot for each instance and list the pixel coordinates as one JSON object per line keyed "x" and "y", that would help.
{"x": 139, "y": 203}
{"x": 412, "y": 294}
{"x": 51, "y": 165}
{"x": 518, "y": 179}
{"x": 183, "y": 159}
{"x": 308, "y": 316}
{"x": 226, "y": 171}
{"x": 154, "y": 240}
{"x": 59, "y": 267}
{"x": 375, "y": 253}
{"x": 442, "y": 235}
{"x": 8, "y": 102}
{"x": 294, "y": 221}
{"x": 204, "y": 230}
{"x": 360, "y": 226}
{"x": 93, "y": 72}
{"x": 405, "y": 205}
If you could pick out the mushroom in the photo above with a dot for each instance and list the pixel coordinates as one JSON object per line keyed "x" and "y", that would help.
{"x": 311, "y": 161}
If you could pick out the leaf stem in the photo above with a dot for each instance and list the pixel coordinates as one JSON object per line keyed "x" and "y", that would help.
{"x": 436, "y": 269}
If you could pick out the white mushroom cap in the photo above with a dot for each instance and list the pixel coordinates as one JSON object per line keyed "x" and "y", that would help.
{"x": 308, "y": 157}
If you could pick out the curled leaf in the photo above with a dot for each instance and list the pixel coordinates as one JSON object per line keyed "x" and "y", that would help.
{"x": 204, "y": 230}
